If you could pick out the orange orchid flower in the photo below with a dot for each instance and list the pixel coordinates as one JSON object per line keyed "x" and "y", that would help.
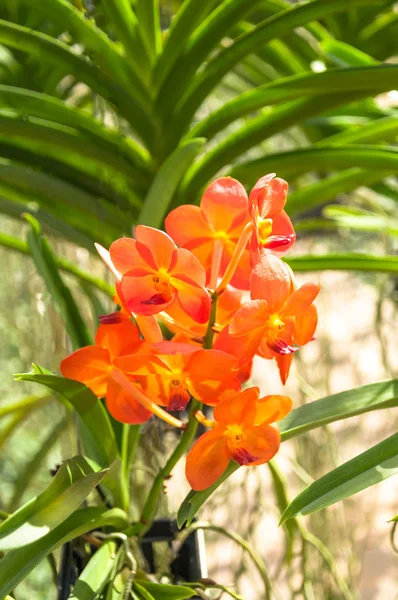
{"x": 211, "y": 231}
{"x": 181, "y": 370}
{"x": 92, "y": 365}
{"x": 155, "y": 273}
{"x": 273, "y": 229}
{"x": 278, "y": 319}
{"x": 243, "y": 430}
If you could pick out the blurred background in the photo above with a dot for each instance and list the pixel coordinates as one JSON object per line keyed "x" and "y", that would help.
{"x": 337, "y": 148}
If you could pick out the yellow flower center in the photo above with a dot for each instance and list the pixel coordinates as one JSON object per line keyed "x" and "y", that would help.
{"x": 264, "y": 229}
{"x": 235, "y": 434}
{"x": 161, "y": 281}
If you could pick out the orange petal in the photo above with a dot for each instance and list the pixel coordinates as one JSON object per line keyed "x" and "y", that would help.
{"x": 253, "y": 315}
{"x": 141, "y": 297}
{"x": 231, "y": 410}
{"x": 271, "y": 281}
{"x": 106, "y": 257}
{"x": 141, "y": 364}
{"x": 241, "y": 277}
{"x": 305, "y": 323}
{"x": 301, "y": 299}
{"x": 186, "y": 224}
{"x": 149, "y": 328}
{"x": 187, "y": 267}
{"x": 119, "y": 338}
{"x": 268, "y": 410}
{"x": 269, "y": 195}
{"x": 207, "y": 459}
{"x": 193, "y": 299}
{"x": 284, "y": 363}
{"x": 210, "y": 373}
{"x": 283, "y": 235}
{"x": 123, "y": 407}
{"x": 228, "y": 303}
{"x": 160, "y": 245}
{"x": 124, "y": 255}
{"x": 224, "y": 204}
{"x": 261, "y": 443}
{"x": 89, "y": 365}
{"x": 243, "y": 348}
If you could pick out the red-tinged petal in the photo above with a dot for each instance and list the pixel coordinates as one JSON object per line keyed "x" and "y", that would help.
{"x": 195, "y": 301}
{"x": 178, "y": 398}
{"x": 232, "y": 410}
{"x": 119, "y": 338}
{"x": 284, "y": 363}
{"x": 207, "y": 459}
{"x": 269, "y": 194}
{"x": 149, "y": 328}
{"x": 123, "y": 407}
{"x": 253, "y": 315}
{"x": 141, "y": 297}
{"x": 124, "y": 255}
{"x": 267, "y": 410}
{"x": 159, "y": 243}
{"x": 301, "y": 299}
{"x": 89, "y": 365}
{"x": 243, "y": 348}
{"x": 186, "y": 266}
{"x": 305, "y": 325}
{"x": 271, "y": 281}
{"x": 224, "y": 204}
{"x": 261, "y": 443}
{"x": 245, "y": 372}
{"x": 241, "y": 277}
{"x": 186, "y": 223}
{"x": 170, "y": 347}
{"x": 112, "y": 318}
{"x": 282, "y": 228}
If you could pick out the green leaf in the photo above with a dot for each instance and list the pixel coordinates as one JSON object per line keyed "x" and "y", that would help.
{"x": 149, "y": 21}
{"x": 90, "y": 409}
{"x": 366, "y": 469}
{"x": 296, "y": 162}
{"x": 194, "y": 500}
{"x": 33, "y": 464}
{"x": 187, "y": 18}
{"x": 344, "y": 54}
{"x": 344, "y": 262}
{"x": 25, "y": 403}
{"x": 360, "y": 219}
{"x": 343, "y": 405}
{"x": 130, "y": 440}
{"x": 57, "y": 53}
{"x": 96, "y": 574}
{"x": 374, "y": 79}
{"x": 164, "y": 185}
{"x": 18, "y": 245}
{"x": 279, "y": 25}
{"x": 16, "y": 564}
{"x": 160, "y": 591}
{"x": 71, "y": 485}
{"x": 60, "y": 293}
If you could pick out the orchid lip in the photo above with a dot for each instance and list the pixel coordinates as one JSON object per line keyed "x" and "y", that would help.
{"x": 115, "y": 317}
{"x": 243, "y": 456}
{"x": 156, "y": 299}
{"x": 282, "y": 348}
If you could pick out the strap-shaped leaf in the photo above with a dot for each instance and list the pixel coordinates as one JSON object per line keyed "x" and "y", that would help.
{"x": 297, "y": 162}
{"x": 87, "y": 406}
{"x": 73, "y": 482}
{"x": 165, "y": 183}
{"x": 97, "y": 573}
{"x": 18, "y": 563}
{"x": 354, "y": 217}
{"x": 366, "y": 469}
{"x": 375, "y": 79}
{"x": 148, "y": 16}
{"x": 344, "y": 54}
{"x": 189, "y": 15}
{"x": 279, "y": 25}
{"x": 19, "y": 245}
{"x": 59, "y": 54}
{"x": 344, "y": 262}
{"x": 343, "y": 405}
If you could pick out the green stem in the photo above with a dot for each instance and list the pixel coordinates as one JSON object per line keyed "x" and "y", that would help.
{"x": 130, "y": 439}
{"x": 149, "y": 510}
{"x": 208, "y": 339}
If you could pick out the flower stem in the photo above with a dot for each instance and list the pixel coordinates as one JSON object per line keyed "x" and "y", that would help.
{"x": 150, "y": 507}
{"x": 208, "y": 339}
{"x": 239, "y": 249}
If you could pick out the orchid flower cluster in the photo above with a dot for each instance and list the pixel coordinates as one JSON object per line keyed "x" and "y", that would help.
{"x": 192, "y": 282}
